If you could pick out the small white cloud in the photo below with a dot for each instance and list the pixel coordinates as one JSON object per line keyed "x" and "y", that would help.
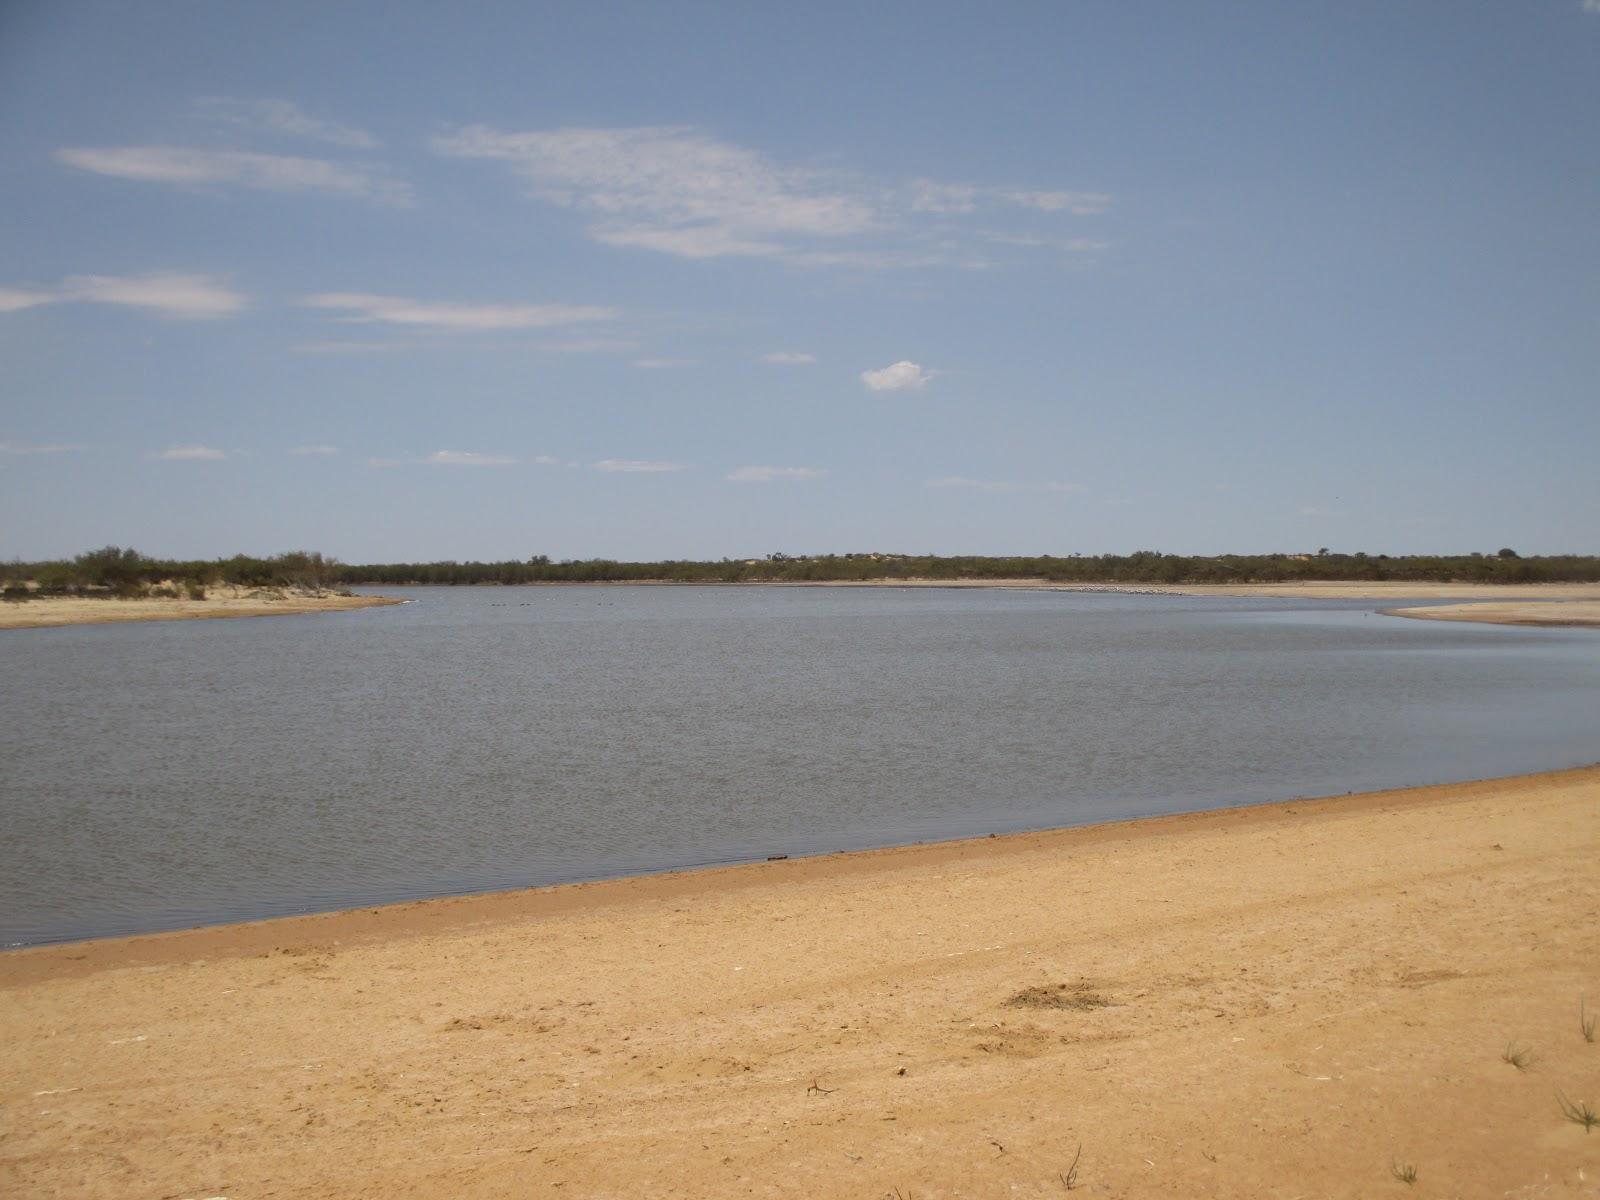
{"x": 47, "y": 448}
{"x": 550, "y": 460}
{"x": 318, "y": 449}
{"x": 897, "y": 377}
{"x": 191, "y": 453}
{"x": 637, "y": 466}
{"x": 1591, "y": 6}
{"x": 773, "y": 474}
{"x": 465, "y": 458}
{"x": 235, "y": 168}
{"x": 665, "y": 364}
{"x": 284, "y": 116}
{"x": 1311, "y": 510}
{"x": 789, "y": 358}
{"x": 366, "y": 308}
{"x": 191, "y": 297}
{"x": 1063, "y": 488}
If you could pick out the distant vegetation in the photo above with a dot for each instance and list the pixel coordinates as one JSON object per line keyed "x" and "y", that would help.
{"x": 117, "y": 571}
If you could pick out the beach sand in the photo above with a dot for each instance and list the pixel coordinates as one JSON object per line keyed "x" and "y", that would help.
{"x": 219, "y": 602}
{"x": 1550, "y": 612}
{"x": 1288, "y": 1000}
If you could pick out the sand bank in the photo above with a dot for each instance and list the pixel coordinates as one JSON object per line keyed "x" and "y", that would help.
{"x": 1279, "y": 1001}
{"x": 1307, "y": 589}
{"x": 73, "y": 610}
{"x": 1556, "y": 612}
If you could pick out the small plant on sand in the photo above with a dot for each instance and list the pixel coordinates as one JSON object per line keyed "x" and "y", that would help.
{"x": 1518, "y": 1056}
{"x": 1581, "y": 1113}
{"x": 1585, "y": 1020}
{"x": 1069, "y": 1177}
{"x": 1405, "y": 1172}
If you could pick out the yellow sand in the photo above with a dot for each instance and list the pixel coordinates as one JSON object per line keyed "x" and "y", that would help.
{"x": 1293, "y": 1000}
{"x": 230, "y": 602}
{"x": 1563, "y": 612}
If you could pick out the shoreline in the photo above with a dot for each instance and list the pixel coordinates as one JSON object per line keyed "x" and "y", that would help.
{"x": 442, "y": 913}
{"x": 1549, "y": 614}
{"x": 1336, "y": 978}
{"x": 58, "y": 612}
{"x": 1301, "y": 589}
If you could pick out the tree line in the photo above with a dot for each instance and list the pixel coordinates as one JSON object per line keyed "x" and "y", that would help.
{"x": 120, "y": 571}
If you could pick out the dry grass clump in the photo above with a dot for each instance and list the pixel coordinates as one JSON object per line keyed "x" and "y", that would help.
{"x": 1078, "y": 997}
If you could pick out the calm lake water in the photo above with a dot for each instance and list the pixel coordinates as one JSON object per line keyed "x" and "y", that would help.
{"x": 173, "y": 774}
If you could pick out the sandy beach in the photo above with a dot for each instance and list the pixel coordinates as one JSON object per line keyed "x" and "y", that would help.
{"x": 1291, "y": 1000}
{"x": 221, "y": 602}
{"x": 1572, "y": 613}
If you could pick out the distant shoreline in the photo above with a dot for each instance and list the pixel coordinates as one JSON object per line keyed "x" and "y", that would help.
{"x": 1544, "y": 604}
{"x": 53, "y": 612}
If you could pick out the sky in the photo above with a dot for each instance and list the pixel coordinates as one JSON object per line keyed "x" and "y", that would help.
{"x": 405, "y": 281}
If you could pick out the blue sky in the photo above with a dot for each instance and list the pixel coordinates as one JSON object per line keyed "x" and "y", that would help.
{"x": 403, "y": 280}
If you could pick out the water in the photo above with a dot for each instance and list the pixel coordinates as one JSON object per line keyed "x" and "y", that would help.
{"x": 172, "y": 774}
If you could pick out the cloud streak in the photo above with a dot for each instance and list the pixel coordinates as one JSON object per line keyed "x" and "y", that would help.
{"x": 46, "y": 448}
{"x": 451, "y": 316}
{"x": 284, "y": 117}
{"x": 634, "y": 466}
{"x": 676, "y": 190}
{"x": 191, "y": 453}
{"x": 168, "y": 293}
{"x": 184, "y": 166}
{"x": 773, "y": 474}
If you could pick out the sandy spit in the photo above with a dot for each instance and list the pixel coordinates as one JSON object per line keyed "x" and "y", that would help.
{"x": 73, "y": 610}
{"x": 1295, "y": 999}
{"x": 1307, "y": 589}
{"x": 1558, "y": 612}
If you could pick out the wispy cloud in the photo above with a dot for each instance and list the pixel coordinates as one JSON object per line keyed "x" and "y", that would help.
{"x": 316, "y": 450}
{"x": 1000, "y": 485}
{"x": 773, "y": 474}
{"x": 1591, "y": 6}
{"x": 285, "y": 117}
{"x": 17, "y": 299}
{"x": 44, "y": 448}
{"x": 676, "y": 190}
{"x": 181, "y": 165}
{"x": 789, "y": 358}
{"x": 665, "y": 364}
{"x": 191, "y": 453}
{"x": 465, "y": 458}
{"x": 902, "y": 376}
{"x": 446, "y": 315}
{"x": 635, "y": 466}
{"x": 191, "y": 297}
{"x": 446, "y": 458}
